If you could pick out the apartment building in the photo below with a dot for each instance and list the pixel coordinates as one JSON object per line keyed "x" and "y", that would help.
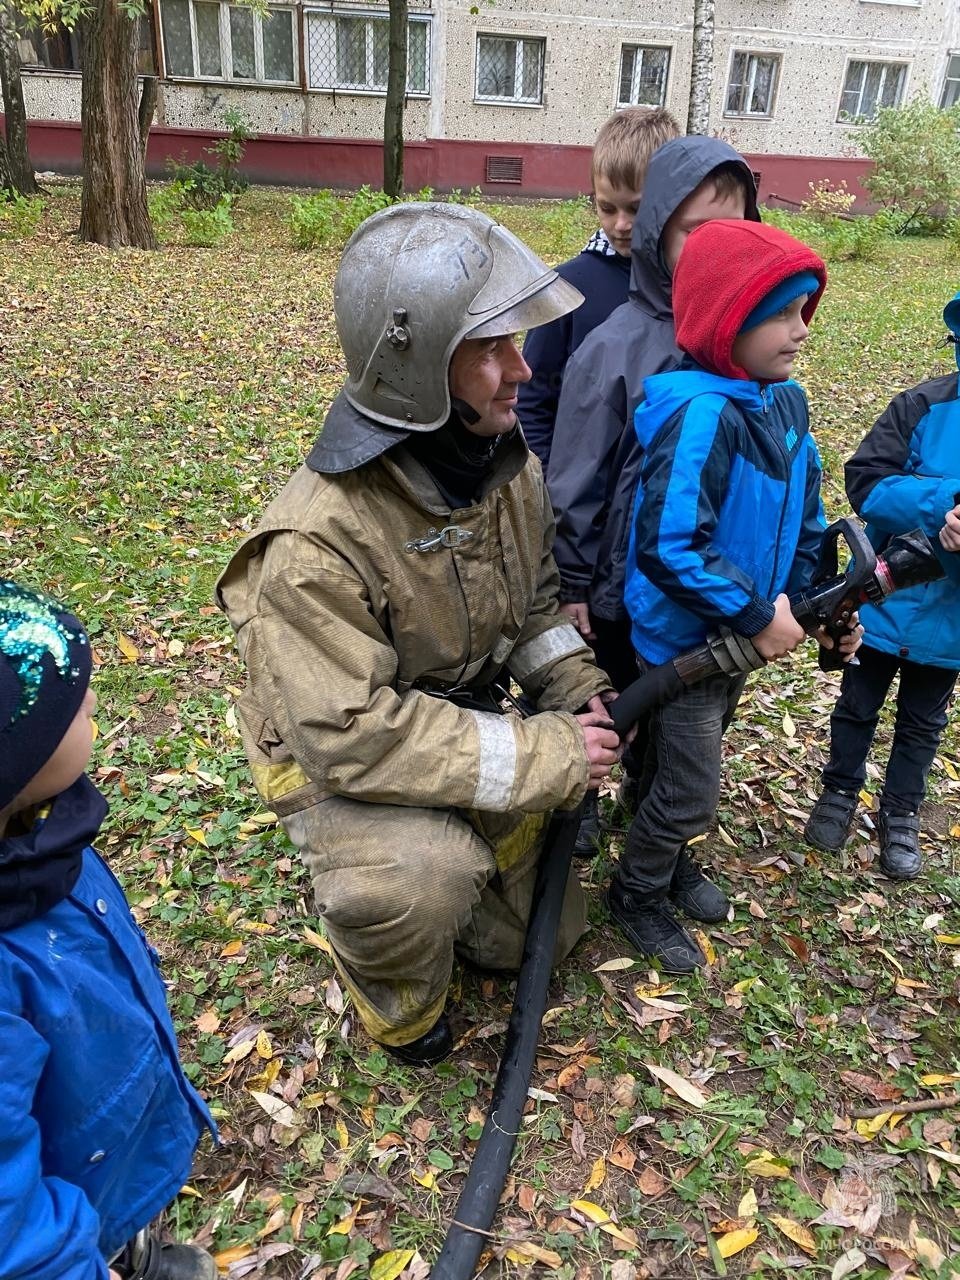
{"x": 510, "y": 96}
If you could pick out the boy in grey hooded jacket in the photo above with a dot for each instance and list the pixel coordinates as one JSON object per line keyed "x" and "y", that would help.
{"x": 594, "y": 461}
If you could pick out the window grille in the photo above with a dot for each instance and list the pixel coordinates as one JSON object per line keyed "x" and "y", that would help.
{"x": 351, "y": 52}
{"x": 643, "y": 76}
{"x": 868, "y": 86}
{"x": 214, "y": 40}
{"x": 753, "y": 84}
{"x": 951, "y": 83}
{"x": 510, "y": 69}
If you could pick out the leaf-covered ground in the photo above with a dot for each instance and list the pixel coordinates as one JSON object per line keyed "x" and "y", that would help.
{"x": 149, "y": 406}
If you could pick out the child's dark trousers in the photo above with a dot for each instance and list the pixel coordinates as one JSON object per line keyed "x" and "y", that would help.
{"x": 922, "y": 701}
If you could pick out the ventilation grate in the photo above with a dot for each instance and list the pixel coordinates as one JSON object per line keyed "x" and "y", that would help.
{"x": 504, "y": 169}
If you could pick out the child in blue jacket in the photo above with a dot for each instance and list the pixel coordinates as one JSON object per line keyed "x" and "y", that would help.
{"x": 98, "y": 1124}
{"x": 727, "y": 521}
{"x": 905, "y": 474}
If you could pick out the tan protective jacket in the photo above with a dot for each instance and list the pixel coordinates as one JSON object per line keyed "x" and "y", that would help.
{"x": 361, "y": 588}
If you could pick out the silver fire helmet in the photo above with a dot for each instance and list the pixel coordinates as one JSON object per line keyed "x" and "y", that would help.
{"x": 414, "y": 281}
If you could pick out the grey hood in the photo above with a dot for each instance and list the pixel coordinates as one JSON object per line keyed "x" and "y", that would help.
{"x": 675, "y": 170}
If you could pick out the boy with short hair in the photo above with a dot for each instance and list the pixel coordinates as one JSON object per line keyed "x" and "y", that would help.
{"x": 727, "y": 523}
{"x": 595, "y": 453}
{"x": 601, "y": 271}
{"x": 98, "y": 1124}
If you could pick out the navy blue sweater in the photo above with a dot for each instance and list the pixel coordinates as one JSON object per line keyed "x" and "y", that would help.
{"x": 603, "y": 280}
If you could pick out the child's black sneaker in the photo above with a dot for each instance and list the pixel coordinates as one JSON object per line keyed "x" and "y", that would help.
{"x": 654, "y": 930}
{"x": 900, "y": 857}
{"x": 693, "y": 894}
{"x": 145, "y": 1258}
{"x": 828, "y": 826}
{"x": 588, "y": 836}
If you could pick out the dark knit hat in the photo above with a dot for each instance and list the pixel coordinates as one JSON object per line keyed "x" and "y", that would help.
{"x": 45, "y": 667}
{"x": 726, "y": 269}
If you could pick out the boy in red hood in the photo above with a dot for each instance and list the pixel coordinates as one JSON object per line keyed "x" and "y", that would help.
{"x": 727, "y": 523}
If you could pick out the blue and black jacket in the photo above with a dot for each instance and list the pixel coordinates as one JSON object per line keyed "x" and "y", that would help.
{"x": 728, "y": 512}
{"x": 906, "y": 474}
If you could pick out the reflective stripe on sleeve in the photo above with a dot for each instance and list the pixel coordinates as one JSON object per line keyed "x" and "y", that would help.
{"x": 536, "y": 653}
{"x": 498, "y": 762}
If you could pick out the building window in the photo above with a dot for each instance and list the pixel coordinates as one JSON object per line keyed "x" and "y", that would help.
{"x": 643, "y": 76}
{"x": 951, "y": 83}
{"x": 510, "y": 69}
{"x": 213, "y": 40}
{"x": 868, "y": 87}
{"x": 752, "y": 86}
{"x": 59, "y": 49}
{"x": 352, "y": 52}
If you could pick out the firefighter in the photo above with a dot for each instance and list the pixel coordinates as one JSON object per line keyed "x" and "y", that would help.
{"x": 386, "y": 600}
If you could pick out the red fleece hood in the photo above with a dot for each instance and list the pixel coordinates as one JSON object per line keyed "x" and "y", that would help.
{"x": 724, "y": 270}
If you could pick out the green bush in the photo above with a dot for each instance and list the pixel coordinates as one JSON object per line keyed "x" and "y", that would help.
{"x": 165, "y": 204}
{"x": 568, "y": 224}
{"x": 203, "y": 187}
{"x": 19, "y": 215}
{"x": 208, "y": 228}
{"x": 362, "y": 204}
{"x": 916, "y": 154}
{"x": 313, "y": 219}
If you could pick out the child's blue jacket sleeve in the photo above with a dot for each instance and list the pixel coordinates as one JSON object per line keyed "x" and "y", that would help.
{"x": 681, "y": 546}
{"x": 906, "y": 472}
{"x": 812, "y": 525}
{"x": 48, "y": 1228}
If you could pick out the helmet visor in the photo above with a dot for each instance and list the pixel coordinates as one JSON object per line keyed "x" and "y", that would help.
{"x": 557, "y": 298}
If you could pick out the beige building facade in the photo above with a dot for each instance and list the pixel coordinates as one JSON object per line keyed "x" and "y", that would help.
{"x": 791, "y": 77}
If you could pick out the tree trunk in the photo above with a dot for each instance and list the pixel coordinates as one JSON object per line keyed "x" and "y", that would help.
{"x": 701, "y": 69}
{"x": 113, "y": 208}
{"x": 393, "y": 109}
{"x": 148, "y": 106}
{"x": 19, "y": 170}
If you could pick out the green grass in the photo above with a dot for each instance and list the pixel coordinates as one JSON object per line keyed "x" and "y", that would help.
{"x": 149, "y": 406}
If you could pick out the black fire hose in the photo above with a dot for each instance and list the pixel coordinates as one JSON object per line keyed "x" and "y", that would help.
{"x": 908, "y": 560}
{"x": 484, "y": 1185}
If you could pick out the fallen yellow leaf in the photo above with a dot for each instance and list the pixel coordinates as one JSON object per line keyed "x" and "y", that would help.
{"x": 389, "y": 1265}
{"x": 748, "y": 1204}
{"x": 766, "y": 1165}
{"x": 317, "y": 940}
{"x": 736, "y": 1241}
{"x": 264, "y": 1047}
{"x": 614, "y": 966}
{"x": 939, "y": 1077}
{"x": 196, "y": 834}
{"x": 275, "y": 1108}
{"x": 234, "y": 946}
{"x": 866, "y": 799}
{"x": 600, "y": 1218}
{"x": 948, "y": 939}
{"x": 345, "y": 1225}
{"x": 427, "y": 1179}
{"x": 598, "y": 1175}
{"x": 870, "y": 1128}
{"x": 343, "y": 1137}
{"x": 676, "y": 1084}
{"x": 127, "y": 647}
{"x": 525, "y": 1252}
{"x": 227, "y": 1256}
{"x": 796, "y": 1232}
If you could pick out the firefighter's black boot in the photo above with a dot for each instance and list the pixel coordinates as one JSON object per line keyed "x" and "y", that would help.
{"x": 433, "y": 1046}
{"x": 588, "y": 836}
{"x": 145, "y": 1258}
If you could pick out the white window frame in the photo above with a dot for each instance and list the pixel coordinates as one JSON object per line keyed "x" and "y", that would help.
{"x": 424, "y": 17}
{"x": 637, "y": 69}
{"x": 752, "y": 56}
{"x": 858, "y": 120}
{"x": 952, "y": 57}
{"x": 226, "y": 47}
{"x": 521, "y": 39}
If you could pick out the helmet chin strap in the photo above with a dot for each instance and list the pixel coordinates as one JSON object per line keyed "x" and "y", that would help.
{"x": 466, "y": 412}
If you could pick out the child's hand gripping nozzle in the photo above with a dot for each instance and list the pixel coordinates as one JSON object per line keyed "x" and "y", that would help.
{"x": 832, "y": 599}
{"x": 830, "y": 602}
